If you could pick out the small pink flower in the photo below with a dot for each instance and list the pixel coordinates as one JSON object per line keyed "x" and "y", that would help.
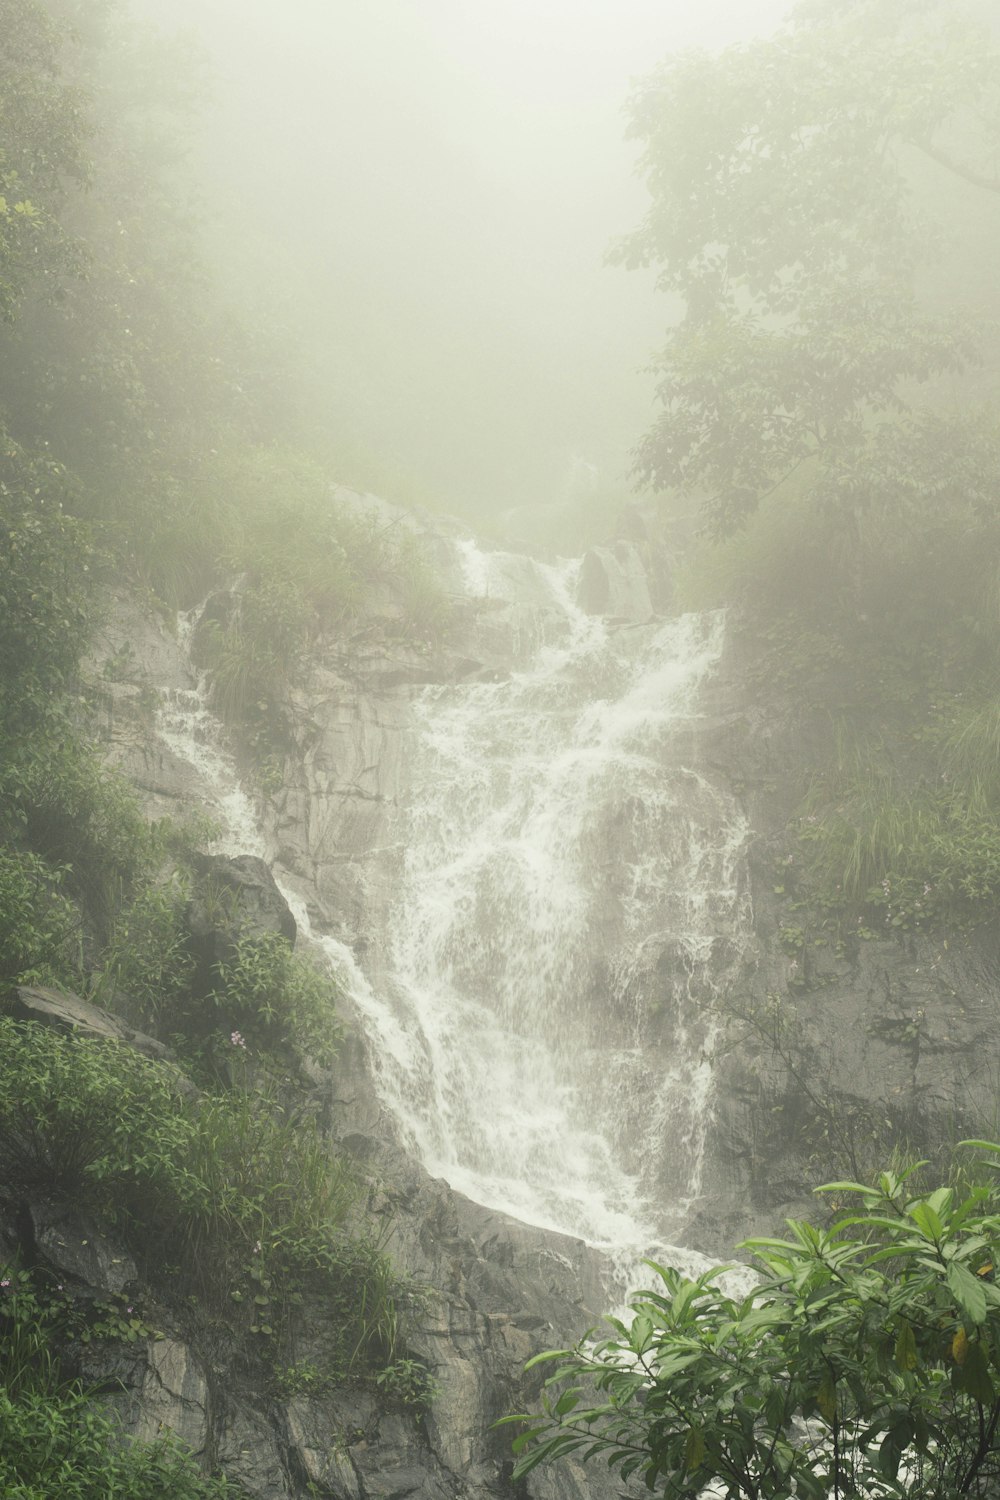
{"x": 237, "y": 1040}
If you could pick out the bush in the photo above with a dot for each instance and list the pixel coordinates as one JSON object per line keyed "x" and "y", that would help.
{"x": 147, "y": 957}
{"x": 905, "y": 851}
{"x": 278, "y": 997}
{"x": 65, "y": 1448}
{"x": 37, "y": 923}
{"x": 47, "y": 597}
{"x": 66, "y": 806}
{"x": 865, "y": 1361}
{"x": 250, "y": 1203}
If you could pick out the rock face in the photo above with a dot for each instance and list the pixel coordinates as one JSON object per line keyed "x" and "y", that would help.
{"x": 492, "y": 1292}
{"x": 886, "y": 1040}
{"x": 613, "y": 582}
{"x": 67, "y": 1012}
{"x": 835, "y": 1055}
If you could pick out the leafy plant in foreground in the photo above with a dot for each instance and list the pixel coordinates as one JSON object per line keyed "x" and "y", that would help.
{"x": 70, "y": 1449}
{"x": 865, "y": 1362}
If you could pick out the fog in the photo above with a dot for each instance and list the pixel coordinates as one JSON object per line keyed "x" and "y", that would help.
{"x": 417, "y": 196}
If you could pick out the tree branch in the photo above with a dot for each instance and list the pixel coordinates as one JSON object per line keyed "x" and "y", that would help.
{"x": 967, "y": 174}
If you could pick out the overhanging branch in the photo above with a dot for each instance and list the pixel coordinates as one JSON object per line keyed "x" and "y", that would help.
{"x": 967, "y": 174}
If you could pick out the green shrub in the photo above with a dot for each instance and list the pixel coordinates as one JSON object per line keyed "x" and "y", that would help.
{"x": 74, "y": 1112}
{"x": 61, "y": 802}
{"x": 37, "y": 923}
{"x": 257, "y": 654}
{"x": 66, "y": 1448}
{"x": 252, "y": 1204}
{"x": 148, "y": 956}
{"x": 47, "y": 596}
{"x": 278, "y": 997}
{"x": 903, "y": 850}
{"x": 863, "y": 1361}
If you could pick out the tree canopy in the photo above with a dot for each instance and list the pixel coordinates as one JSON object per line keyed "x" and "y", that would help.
{"x": 799, "y": 209}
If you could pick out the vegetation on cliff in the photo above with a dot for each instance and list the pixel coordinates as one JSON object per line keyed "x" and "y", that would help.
{"x": 140, "y": 443}
{"x": 826, "y": 204}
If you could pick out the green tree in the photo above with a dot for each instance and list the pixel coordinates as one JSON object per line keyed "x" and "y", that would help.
{"x": 864, "y": 1362}
{"x": 801, "y": 187}
{"x": 43, "y": 139}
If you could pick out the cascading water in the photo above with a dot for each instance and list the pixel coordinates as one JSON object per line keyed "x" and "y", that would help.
{"x": 539, "y": 1021}
{"x": 552, "y": 840}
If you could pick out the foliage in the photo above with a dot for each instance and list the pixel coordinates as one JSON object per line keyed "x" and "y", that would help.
{"x": 61, "y": 802}
{"x": 408, "y": 1383}
{"x": 38, "y": 1317}
{"x": 47, "y": 602}
{"x": 891, "y": 849}
{"x": 147, "y": 956}
{"x": 251, "y": 1203}
{"x": 822, "y": 396}
{"x": 66, "y": 1447}
{"x": 782, "y": 214}
{"x": 42, "y": 148}
{"x": 37, "y": 923}
{"x": 55, "y": 1441}
{"x": 865, "y": 1361}
{"x": 271, "y": 992}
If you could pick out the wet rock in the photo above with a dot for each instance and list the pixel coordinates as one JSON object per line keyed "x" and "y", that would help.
{"x": 318, "y": 1441}
{"x": 248, "y": 1450}
{"x": 65, "y": 1011}
{"x": 235, "y": 898}
{"x": 75, "y": 1245}
{"x": 613, "y": 582}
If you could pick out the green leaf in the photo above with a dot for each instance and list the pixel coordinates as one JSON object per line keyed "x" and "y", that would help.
{"x": 967, "y": 1291}
{"x": 906, "y": 1347}
{"x": 926, "y": 1220}
{"x": 826, "y": 1397}
{"x": 973, "y": 1376}
{"x": 694, "y": 1450}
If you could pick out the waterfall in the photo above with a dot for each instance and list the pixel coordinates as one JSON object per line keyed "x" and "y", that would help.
{"x": 540, "y": 1017}
{"x": 555, "y": 836}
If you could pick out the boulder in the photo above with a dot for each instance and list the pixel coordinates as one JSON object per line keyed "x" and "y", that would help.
{"x": 613, "y": 582}
{"x": 68, "y": 1012}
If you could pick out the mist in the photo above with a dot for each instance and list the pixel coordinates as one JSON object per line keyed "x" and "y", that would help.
{"x": 418, "y": 199}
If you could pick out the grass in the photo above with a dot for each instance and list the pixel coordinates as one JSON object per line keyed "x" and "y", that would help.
{"x": 251, "y": 1203}
{"x": 910, "y": 851}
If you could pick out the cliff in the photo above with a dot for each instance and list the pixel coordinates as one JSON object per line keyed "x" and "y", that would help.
{"x": 784, "y": 1063}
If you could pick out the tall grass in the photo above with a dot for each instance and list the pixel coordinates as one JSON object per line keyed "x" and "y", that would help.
{"x": 919, "y": 851}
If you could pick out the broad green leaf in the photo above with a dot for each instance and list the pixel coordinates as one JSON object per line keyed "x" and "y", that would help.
{"x": 906, "y": 1347}
{"x": 926, "y": 1220}
{"x": 974, "y": 1375}
{"x": 694, "y": 1450}
{"x": 967, "y": 1291}
{"x": 826, "y": 1397}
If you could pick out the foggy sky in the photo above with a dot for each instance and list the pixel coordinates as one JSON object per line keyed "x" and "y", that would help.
{"x": 423, "y": 192}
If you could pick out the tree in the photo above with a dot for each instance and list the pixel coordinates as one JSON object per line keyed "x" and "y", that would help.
{"x": 801, "y": 187}
{"x": 864, "y": 1362}
{"x": 43, "y": 136}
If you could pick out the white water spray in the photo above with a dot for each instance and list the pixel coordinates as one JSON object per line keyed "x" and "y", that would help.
{"x": 558, "y": 845}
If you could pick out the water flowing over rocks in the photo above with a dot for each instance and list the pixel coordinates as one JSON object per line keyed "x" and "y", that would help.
{"x": 540, "y": 859}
